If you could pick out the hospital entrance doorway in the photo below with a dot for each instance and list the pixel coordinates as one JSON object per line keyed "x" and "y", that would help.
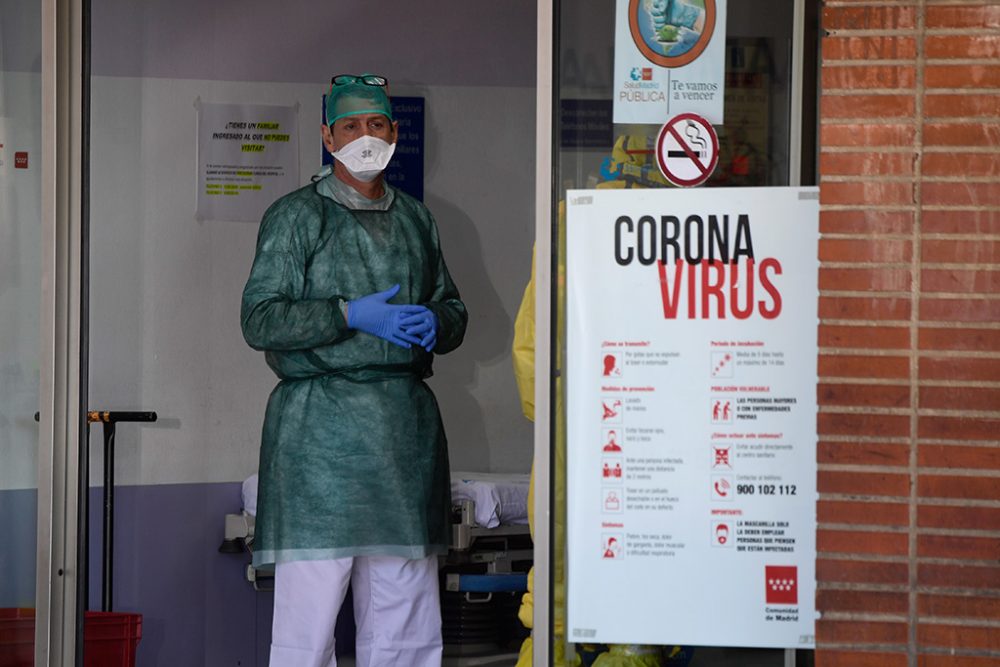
{"x": 647, "y": 95}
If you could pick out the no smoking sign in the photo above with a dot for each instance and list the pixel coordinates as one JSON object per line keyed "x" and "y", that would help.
{"x": 687, "y": 150}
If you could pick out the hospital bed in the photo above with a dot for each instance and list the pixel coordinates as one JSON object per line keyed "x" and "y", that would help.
{"x": 483, "y": 573}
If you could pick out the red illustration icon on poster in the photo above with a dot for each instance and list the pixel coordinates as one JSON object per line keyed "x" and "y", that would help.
{"x": 722, "y": 488}
{"x": 721, "y": 364}
{"x": 612, "y": 549}
{"x": 722, "y": 410}
{"x": 611, "y": 368}
{"x": 721, "y": 457}
{"x": 722, "y": 535}
{"x": 611, "y": 409}
{"x": 612, "y": 502}
{"x": 611, "y": 445}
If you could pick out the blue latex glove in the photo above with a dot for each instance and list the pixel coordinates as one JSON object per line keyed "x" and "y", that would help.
{"x": 372, "y": 314}
{"x": 424, "y": 326}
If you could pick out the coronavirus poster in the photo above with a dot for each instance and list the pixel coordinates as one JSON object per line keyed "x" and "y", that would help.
{"x": 691, "y": 416}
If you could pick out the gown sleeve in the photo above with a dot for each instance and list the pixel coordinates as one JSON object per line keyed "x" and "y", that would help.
{"x": 445, "y": 302}
{"x": 274, "y": 314}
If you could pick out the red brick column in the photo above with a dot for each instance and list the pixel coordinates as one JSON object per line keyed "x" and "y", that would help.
{"x": 909, "y": 426}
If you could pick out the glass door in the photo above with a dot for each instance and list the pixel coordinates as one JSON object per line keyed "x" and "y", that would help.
{"x": 20, "y": 303}
{"x": 604, "y": 136}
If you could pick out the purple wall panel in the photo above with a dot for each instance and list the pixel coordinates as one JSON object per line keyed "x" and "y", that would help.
{"x": 197, "y": 608}
{"x": 18, "y": 532}
{"x": 410, "y": 41}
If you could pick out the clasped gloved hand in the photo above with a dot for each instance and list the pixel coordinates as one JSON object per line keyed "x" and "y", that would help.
{"x": 372, "y": 314}
{"x": 424, "y": 326}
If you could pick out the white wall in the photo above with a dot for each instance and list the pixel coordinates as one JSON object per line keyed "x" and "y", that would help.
{"x": 166, "y": 287}
{"x": 20, "y": 278}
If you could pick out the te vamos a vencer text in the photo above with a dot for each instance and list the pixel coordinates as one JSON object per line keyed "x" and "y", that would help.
{"x": 711, "y": 260}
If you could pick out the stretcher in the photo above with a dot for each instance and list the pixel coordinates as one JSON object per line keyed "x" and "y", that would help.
{"x": 485, "y": 571}
{"x": 489, "y": 528}
{"x": 483, "y": 574}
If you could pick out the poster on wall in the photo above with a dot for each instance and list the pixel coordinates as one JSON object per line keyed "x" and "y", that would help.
{"x": 669, "y": 59}
{"x": 691, "y": 416}
{"x": 248, "y": 156}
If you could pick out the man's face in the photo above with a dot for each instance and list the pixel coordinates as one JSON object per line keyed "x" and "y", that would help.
{"x": 347, "y": 129}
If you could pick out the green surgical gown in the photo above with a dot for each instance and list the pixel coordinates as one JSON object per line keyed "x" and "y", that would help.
{"x": 353, "y": 457}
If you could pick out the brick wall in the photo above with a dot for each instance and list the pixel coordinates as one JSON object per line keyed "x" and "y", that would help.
{"x": 909, "y": 424}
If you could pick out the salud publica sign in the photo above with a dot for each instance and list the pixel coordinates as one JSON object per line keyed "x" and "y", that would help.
{"x": 669, "y": 59}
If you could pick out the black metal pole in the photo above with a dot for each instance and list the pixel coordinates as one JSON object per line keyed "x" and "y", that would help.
{"x": 83, "y": 523}
{"x": 83, "y": 481}
{"x": 109, "y": 516}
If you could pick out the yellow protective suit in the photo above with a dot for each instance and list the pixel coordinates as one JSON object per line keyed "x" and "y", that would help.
{"x": 524, "y": 373}
{"x": 629, "y": 655}
{"x": 630, "y": 166}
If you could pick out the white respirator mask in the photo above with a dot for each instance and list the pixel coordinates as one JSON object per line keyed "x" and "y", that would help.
{"x": 366, "y": 157}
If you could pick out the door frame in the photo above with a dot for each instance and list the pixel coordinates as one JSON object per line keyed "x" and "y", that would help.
{"x": 62, "y": 390}
{"x": 544, "y": 448}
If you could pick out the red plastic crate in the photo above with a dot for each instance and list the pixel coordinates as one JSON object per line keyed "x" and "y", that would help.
{"x": 17, "y": 637}
{"x": 109, "y": 638}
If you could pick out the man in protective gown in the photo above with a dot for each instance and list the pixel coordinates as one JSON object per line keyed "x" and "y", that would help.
{"x": 349, "y": 297}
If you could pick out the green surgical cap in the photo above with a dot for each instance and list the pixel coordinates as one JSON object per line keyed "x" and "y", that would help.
{"x": 356, "y": 98}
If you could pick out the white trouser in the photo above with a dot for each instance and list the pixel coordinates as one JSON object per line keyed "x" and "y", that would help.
{"x": 397, "y": 611}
